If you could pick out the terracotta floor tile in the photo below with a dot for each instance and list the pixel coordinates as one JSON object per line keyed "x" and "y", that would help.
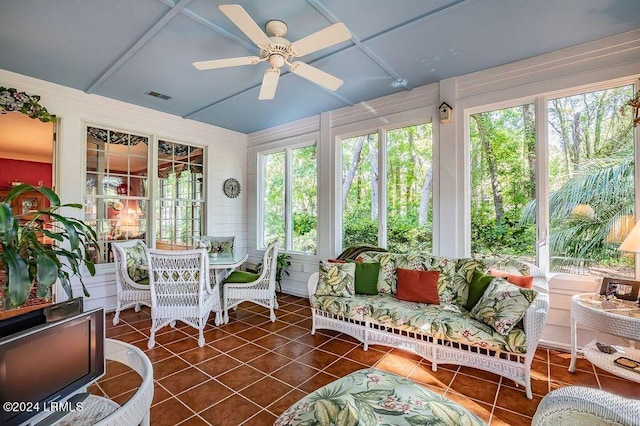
{"x": 559, "y": 373}
{"x": 620, "y": 386}
{"x": 293, "y": 350}
{"x": 187, "y": 379}
{"x": 318, "y": 359}
{"x": 266, "y": 391}
{"x": 228, "y": 343}
{"x": 293, "y": 332}
{"x": 272, "y": 341}
{"x": 194, "y": 421}
{"x": 214, "y": 334}
{"x": 440, "y": 379}
{"x": 240, "y": 377}
{"x": 130, "y": 337}
{"x": 368, "y": 357}
{"x": 252, "y": 333}
{"x": 480, "y": 409}
{"x": 262, "y": 418}
{"x": 256, "y": 319}
{"x": 397, "y": 364}
{"x": 343, "y": 367}
{"x": 157, "y": 353}
{"x": 169, "y": 412}
{"x": 121, "y": 384}
{"x": 218, "y": 365}
{"x": 168, "y": 366}
{"x": 247, "y": 352}
{"x": 481, "y": 374}
{"x": 232, "y": 411}
{"x": 114, "y": 368}
{"x": 338, "y": 347}
{"x": 316, "y": 382}
{"x": 159, "y": 393}
{"x": 294, "y": 373}
{"x": 197, "y": 355}
{"x": 269, "y": 362}
{"x": 281, "y": 405}
{"x": 273, "y": 326}
{"x": 474, "y": 388}
{"x": 313, "y": 340}
{"x": 182, "y": 345}
{"x": 205, "y": 395}
{"x": 118, "y": 330}
{"x": 123, "y": 398}
{"x": 509, "y": 398}
{"x": 501, "y": 417}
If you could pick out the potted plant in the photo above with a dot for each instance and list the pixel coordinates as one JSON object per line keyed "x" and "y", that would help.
{"x": 283, "y": 262}
{"x": 26, "y": 259}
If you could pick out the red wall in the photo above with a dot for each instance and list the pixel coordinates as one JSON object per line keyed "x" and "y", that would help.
{"x": 25, "y": 172}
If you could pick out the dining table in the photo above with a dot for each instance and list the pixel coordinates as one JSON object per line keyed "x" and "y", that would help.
{"x": 222, "y": 264}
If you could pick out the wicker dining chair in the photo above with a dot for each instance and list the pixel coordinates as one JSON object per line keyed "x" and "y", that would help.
{"x": 132, "y": 283}
{"x": 256, "y": 288}
{"x": 181, "y": 290}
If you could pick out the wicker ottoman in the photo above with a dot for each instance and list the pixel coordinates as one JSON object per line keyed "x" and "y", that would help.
{"x": 370, "y": 397}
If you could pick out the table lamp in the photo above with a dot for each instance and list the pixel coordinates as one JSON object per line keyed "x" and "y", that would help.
{"x": 632, "y": 244}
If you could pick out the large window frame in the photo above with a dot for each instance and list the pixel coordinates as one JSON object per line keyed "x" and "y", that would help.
{"x": 416, "y": 117}
{"x": 153, "y": 195}
{"x": 287, "y": 148}
{"x": 542, "y": 192}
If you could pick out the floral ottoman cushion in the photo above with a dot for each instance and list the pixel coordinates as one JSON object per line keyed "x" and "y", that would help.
{"x": 374, "y": 397}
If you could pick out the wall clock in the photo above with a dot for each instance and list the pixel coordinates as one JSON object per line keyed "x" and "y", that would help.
{"x": 231, "y": 188}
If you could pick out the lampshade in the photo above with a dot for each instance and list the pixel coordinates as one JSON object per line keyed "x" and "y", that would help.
{"x": 632, "y": 242}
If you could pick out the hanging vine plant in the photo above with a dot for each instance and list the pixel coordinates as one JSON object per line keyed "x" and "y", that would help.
{"x": 12, "y": 100}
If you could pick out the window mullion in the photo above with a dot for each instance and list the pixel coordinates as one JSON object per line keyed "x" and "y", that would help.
{"x": 382, "y": 188}
{"x": 636, "y": 172}
{"x": 288, "y": 210}
{"x": 542, "y": 183}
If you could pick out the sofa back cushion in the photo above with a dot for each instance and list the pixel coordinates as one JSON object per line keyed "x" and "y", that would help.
{"x": 418, "y": 286}
{"x": 366, "y": 277}
{"x": 478, "y": 285}
{"x": 387, "y": 276}
{"x": 465, "y": 267}
{"x": 503, "y": 305}
{"x": 336, "y": 279}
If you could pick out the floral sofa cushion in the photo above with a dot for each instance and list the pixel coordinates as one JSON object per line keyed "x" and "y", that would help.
{"x": 337, "y": 279}
{"x": 355, "y": 308}
{"x": 370, "y": 397}
{"x": 447, "y": 322}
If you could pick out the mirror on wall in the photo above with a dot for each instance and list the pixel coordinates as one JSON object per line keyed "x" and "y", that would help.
{"x": 26, "y": 156}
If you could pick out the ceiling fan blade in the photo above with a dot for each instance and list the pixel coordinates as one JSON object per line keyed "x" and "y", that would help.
{"x": 224, "y": 63}
{"x": 329, "y": 36}
{"x": 247, "y": 25}
{"x": 269, "y": 84}
{"x": 316, "y": 76}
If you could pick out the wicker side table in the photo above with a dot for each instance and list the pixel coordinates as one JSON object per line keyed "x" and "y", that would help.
{"x": 605, "y": 361}
{"x": 618, "y": 318}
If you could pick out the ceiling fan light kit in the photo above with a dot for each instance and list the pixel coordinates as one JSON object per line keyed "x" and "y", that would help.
{"x": 279, "y": 51}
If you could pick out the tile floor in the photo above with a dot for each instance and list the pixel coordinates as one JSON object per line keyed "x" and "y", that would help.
{"x": 251, "y": 370}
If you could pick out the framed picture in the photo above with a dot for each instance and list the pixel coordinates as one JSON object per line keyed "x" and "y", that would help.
{"x": 622, "y": 289}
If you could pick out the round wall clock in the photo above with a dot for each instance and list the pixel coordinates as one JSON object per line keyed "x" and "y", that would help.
{"x": 231, "y": 188}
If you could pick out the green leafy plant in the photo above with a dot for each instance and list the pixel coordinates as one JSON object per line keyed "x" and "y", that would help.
{"x": 283, "y": 262}
{"x": 26, "y": 260}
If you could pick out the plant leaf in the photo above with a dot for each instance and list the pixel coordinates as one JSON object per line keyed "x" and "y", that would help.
{"x": 18, "y": 281}
{"x": 47, "y": 270}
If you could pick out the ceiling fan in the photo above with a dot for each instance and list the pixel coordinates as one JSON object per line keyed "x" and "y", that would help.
{"x": 279, "y": 51}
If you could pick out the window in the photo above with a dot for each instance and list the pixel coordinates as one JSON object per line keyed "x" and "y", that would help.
{"x": 289, "y": 199}
{"x": 116, "y": 197}
{"x": 406, "y": 207}
{"x": 180, "y": 202}
{"x": 503, "y": 182}
{"x": 586, "y": 181}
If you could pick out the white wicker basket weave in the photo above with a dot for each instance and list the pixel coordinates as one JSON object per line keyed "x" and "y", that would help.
{"x": 129, "y": 293}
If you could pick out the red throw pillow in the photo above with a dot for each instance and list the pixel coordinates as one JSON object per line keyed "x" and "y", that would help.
{"x": 418, "y": 286}
{"x": 523, "y": 281}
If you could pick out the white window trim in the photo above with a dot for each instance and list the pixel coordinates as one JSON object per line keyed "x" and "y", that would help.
{"x": 540, "y": 102}
{"x": 287, "y": 146}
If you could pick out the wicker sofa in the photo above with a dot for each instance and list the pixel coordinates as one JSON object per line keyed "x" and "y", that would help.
{"x": 444, "y": 333}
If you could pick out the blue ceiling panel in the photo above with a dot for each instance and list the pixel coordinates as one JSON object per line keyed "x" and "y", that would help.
{"x": 164, "y": 65}
{"x": 496, "y": 33}
{"x": 71, "y": 42}
{"x": 388, "y": 14}
{"x": 295, "y": 98}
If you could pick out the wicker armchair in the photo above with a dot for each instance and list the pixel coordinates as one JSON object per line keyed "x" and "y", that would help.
{"x": 180, "y": 290}
{"x": 576, "y": 405}
{"x": 261, "y": 291}
{"x": 132, "y": 288}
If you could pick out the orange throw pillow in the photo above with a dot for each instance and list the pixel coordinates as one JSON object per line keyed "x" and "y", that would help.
{"x": 523, "y": 281}
{"x": 418, "y": 286}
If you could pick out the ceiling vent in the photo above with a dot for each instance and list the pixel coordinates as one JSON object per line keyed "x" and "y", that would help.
{"x": 158, "y": 95}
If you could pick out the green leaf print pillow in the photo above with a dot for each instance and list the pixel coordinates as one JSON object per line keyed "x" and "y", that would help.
{"x": 136, "y": 257}
{"x": 336, "y": 279}
{"x": 503, "y": 305}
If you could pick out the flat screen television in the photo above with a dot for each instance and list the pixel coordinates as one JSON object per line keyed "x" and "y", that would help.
{"x": 48, "y": 363}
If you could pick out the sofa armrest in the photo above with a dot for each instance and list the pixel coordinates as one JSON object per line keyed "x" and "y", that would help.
{"x": 536, "y": 316}
{"x": 312, "y": 284}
